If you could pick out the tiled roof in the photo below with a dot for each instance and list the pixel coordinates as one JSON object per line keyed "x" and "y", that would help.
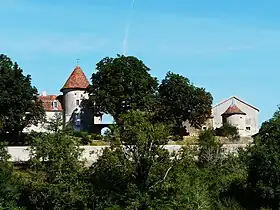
{"x": 48, "y": 103}
{"x": 77, "y": 80}
{"x": 233, "y": 109}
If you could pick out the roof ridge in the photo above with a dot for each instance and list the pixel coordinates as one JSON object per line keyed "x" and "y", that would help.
{"x": 237, "y": 98}
{"x": 76, "y": 80}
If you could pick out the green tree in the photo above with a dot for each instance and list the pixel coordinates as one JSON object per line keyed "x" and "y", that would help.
{"x": 210, "y": 149}
{"x": 264, "y": 165}
{"x": 135, "y": 172}
{"x": 9, "y": 182}
{"x": 55, "y": 123}
{"x": 182, "y": 101}
{"x": 57, "y": 175}
{"x": 121, "y": 84}
{"x": 19, "y": 104}
{"x": 229, "y": 131}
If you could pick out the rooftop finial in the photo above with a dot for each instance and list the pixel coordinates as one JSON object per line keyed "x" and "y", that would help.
{"x": 78, "y": 61}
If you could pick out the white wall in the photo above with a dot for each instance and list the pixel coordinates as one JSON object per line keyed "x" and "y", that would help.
{"x": 70, "y": 96}
{"x": 91, "y": 153}
{"x": 238, "y": 120}
{"x": 41, "y": 127}
{"x": 251, "y": 117}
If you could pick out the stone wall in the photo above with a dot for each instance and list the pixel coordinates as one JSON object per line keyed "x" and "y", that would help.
{"x": 91, "y": 153}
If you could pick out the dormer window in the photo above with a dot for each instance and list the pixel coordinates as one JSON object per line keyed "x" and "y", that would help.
{"x": 55, "y": 104}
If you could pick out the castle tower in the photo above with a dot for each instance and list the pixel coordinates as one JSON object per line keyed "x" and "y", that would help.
{"x": 73, "y": 96}
{"x": 234, "y": 116}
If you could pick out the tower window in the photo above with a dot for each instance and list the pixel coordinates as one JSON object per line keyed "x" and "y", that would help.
{"x": 248, "y": 128}
{"x": 77, "y": 102}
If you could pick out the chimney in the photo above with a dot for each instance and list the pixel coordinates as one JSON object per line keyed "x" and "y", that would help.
{"x": 44, "y": 93}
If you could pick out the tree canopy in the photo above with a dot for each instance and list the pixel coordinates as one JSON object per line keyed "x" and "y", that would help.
{"x": 121, "y": 84}
{"x": 124, "y": 83}
{"x": 264, "y": 164}
{"x": 137, "y": 172}
{"x": 180, "y": 101}
{"x": 19, "y": 103}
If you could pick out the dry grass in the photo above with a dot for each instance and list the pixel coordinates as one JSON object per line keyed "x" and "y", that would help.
{"x": 187, "y": 140}
{"x": 193, "y": 140}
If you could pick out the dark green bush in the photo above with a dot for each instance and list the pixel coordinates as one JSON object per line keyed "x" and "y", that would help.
{"x": 227, "y": 130}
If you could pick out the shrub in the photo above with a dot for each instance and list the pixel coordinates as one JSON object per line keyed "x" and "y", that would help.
{"x": 227, "y": 130}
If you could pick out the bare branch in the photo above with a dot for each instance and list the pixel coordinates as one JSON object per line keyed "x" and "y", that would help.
{"x": 160, "y": 181}
{"x": 151, "y": 145}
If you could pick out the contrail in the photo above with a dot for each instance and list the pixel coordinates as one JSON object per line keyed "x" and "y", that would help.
{"x": 127, "y": 27}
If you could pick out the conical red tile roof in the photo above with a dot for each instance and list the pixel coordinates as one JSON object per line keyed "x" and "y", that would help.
{"x": 233, "y": 109}
{"x": 77, "y": 80}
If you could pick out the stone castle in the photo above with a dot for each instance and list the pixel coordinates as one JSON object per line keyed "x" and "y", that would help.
{"x": 70, "y": 106}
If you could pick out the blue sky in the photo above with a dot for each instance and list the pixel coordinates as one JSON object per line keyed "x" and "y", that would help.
{"x": 229, "y": 47}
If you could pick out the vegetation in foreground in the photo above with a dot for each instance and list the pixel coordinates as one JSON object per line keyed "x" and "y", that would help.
{"x": 136, "y": 172}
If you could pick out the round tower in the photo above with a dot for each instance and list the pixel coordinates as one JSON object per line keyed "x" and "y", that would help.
{"x": 235, "y": 117}
{"x": 73, "y": 95}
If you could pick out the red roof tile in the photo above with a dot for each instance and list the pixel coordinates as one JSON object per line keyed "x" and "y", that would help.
{"x": 77, "y": 80}
{"x": 48, "y": 103}
{"x": 233, "y": 109}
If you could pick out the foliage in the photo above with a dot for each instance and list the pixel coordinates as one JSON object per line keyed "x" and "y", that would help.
{"x": 56, "y": 175}
{"x": 264, "y": 165}
{"x": 137, "y": 172}
{"x": 86, "y": 138}
{"x": 9, "y": 184}
{"x": 55, "y": 123}
{"x": 210, "y": 150}
{"x": 227, "y": 130}
{"x": 19, "y": 104}
{"x": 133, "y": 173}
{"x": 121, "y": 84}
{"x": 181, "y": 101}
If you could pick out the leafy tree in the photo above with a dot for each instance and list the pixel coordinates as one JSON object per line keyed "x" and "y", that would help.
{"x": 19, "y": 104}
{"x": 182, "y": 101}
{"x": 135, "y": 172}
{"x": 55, "y": 123}
{"x": 57, "y": 175}
{"x": 227, "y": 130}
{"x": 121, "y": 84}
{"x": 9, "y": 184}
{"x": 264, "y": 165}
{"x": 210, "y": 149}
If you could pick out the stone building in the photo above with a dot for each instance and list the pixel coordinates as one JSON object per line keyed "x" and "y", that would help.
{"x": 70, "y": 105}
{"x": 233, "y": 111}
{"x": 74, "y": 96}
{"x": 52, "y": 107}
{"x": 238, "y": 113}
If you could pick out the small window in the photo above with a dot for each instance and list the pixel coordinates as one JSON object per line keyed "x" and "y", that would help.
{"x": 55, "y": 104}
{"x": 77, "y": 102}
{"x": 248, "y": 121}
{"x": 248, "y": 128}
{"x": 82, "y": 95}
